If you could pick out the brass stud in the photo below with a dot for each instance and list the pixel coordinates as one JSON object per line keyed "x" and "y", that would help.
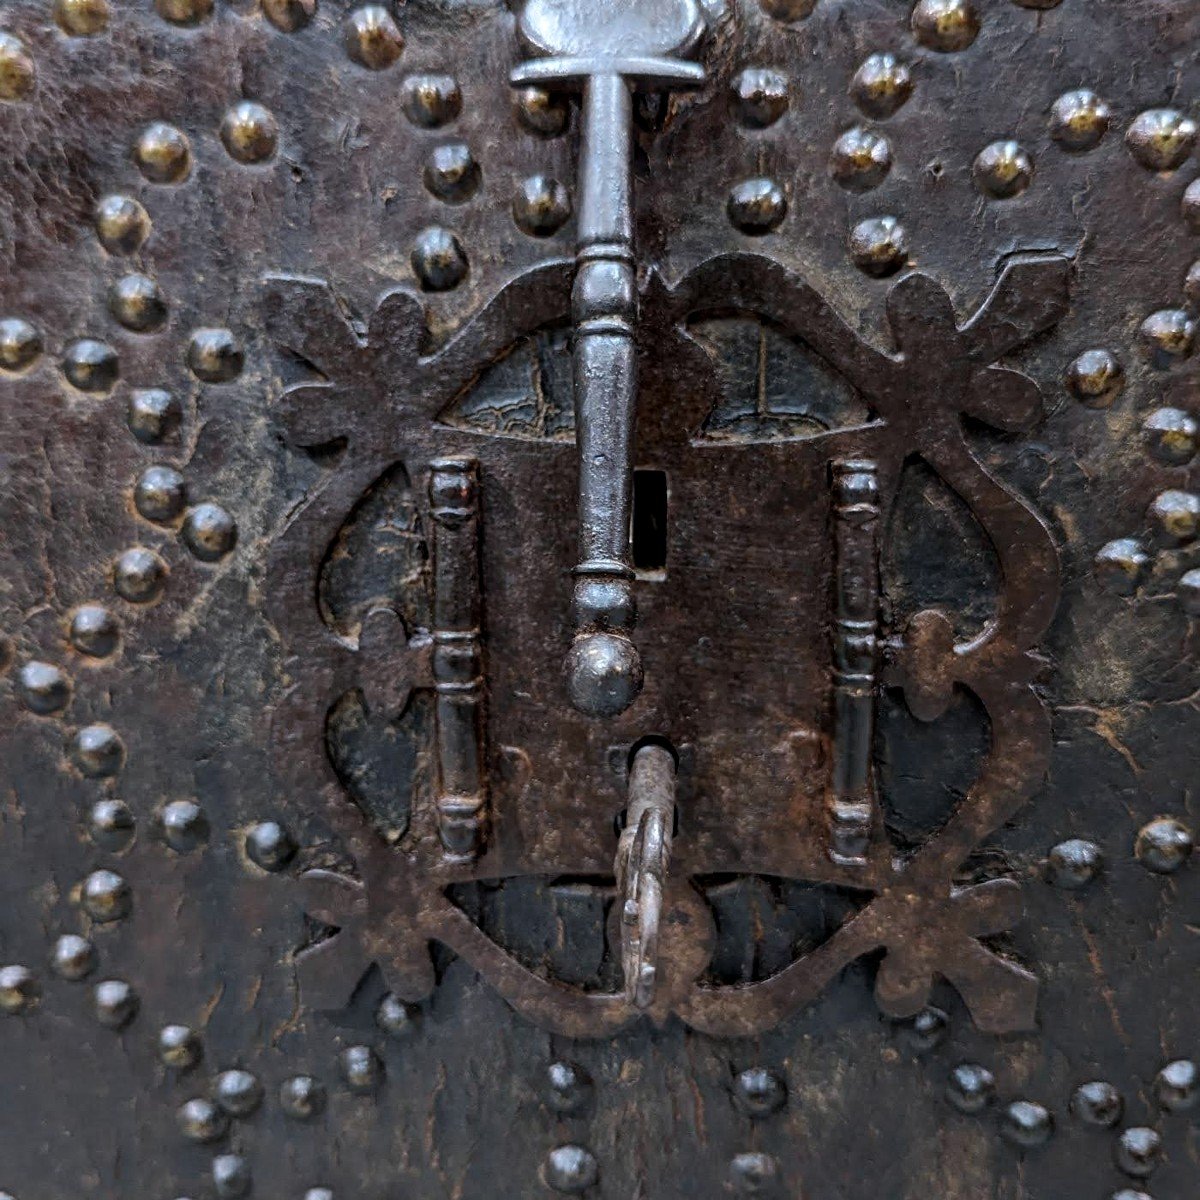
{"x": 541, "y": 112}
{"x": 249, "y": 132}
{"x": 1096, "y": 378}
{"x": 97, "y": 751}
{"x": 43, "y": 688}
{"x": 860, "y": 160}
{"x": 756, "y": 206}
{"x": 154, "y": 415}
{"x": 122, "y": 224}
{"x": 881, "y": 86}
{"x": 1120, "y": 566}
{"x": 1161, "y": 139}
{"x": 760, "y": 96}
{"x": 163, "y": 154}
{"x": 115, "y": 1003}
{"x": 74, "y": 957}
{"x": 1003, "y": 170}
{"x": 184, "y": 12}
{"x": 160, "y": 494}
{"x": 94, "y": 631}
{"x": 945, "y": 25}
{"x": 139, "y": 575}
{"x": 19, "y": 990}
{"x": 451, "y": 173}
{"x": 289, "y": 15}
{"x": 1168, "y": 336}
{"x": 432, "y": 100}
{"x": 17, "y": 74}
{"x": 1079, "y": 120}
{"x": 214, "y": 355}
{"x": 20, "y": 344}
{"x": 137, "y": 303}
{"x": 438, "y": 260}
{"x": 82, "y": 18}
{"x": 373, "y": 39}
{"x": 879, "y": 246}
{"x": 111, "y": 825}
{"x": 1171, "y": 435}
{"x": 541, "y": 206}
{"x": 209, "y": 532}
{"x": 90, "y": 365}
{"x": 570, "y": 1169}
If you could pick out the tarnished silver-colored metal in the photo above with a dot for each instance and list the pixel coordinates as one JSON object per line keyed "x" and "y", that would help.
{"x": 643, "y": 861}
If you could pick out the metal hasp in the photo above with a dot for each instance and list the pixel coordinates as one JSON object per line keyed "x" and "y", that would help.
{"x": 606, "y": 50}
{"x": 643, "y": 860}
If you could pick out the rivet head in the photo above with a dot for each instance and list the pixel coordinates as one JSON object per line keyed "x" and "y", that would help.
{"x": 756, "y": 206}
{"x": 115, "y": 1003}
{"x": 541, "y": 206}
{"x": 163, "y": 154}
{"x": 111, "y": 824}
{"x": 179, "y": 1047}
{"x": 1074, "y": 864}
{"x": 361, "y": 1068}
{"x": 249, "y": 132}
{"x": 1097, "y": 1103}
{"x": 94, "y": 631}
{"x": 1121, "y": 566}
{"x": 1171, "y": 435}
{"x": 788, "y": 10}
{"x": 432, "y": 100}
{"x": 90, "y": 365}
{"x": 438, "y": 259}
{"x": 1188, "y": 592}
{"x": 184, "y": 12}
{"x": 97, "y": 751}
{"x": 1175, "y": 515}
{"x": 971, "y": 1088}
{"x": 139, "y": 575}
{"x": 1161, "y": 139}
{"x": 1168, "y": 336}
{"x": 1003, "y": 170}
{"x": 106, "y": 896}
{"x": 1177, "y": 1086}
{"x": 568, "y": 1088}
{"x": 43, "y": 688}
{"x": 1190, "y": 206}
{"x": 861, "y": 159}
{"x": 1164, "y": 845}
{"x": 570, "y": 1169}
{"x": 1130, "y": 1194}
{"x": 541, "y": 112}
{"x": 451, "y": 173}
{"x": 202, "y": 1121}
{"x": 879, "y": 246}
{"x": 160, "y": 494}
{"x": 19, "y": 990}
{"x": 397, "y": 1019}
{"x": 1026, "y": 1124}
{"x": 753, "y": 1173}
{"x": 74, "y": 957}
{"x": 301, "y": 1097}
{"x": 209, "y": 532}
{"x": 289, "y": 15}
{"x": 318, "y": 1193}
{"x": 20, "y": 344}
{"x": 17, "y": 73}
{"x": 215, "y": 356}
{"x": 154, "y": 415}
{"x": 373, "y": 39}
{"x": 945, "y": 25}
{"x": 1096, "y": 378}
{"x": 231, "y": 1177}
{"x": 1079, "y": 120}
{"x": 927, "y": 1030}
{"x": 238, "y": 1092}
{"x": 137, "y": 303}
{"x": 184, "y": 825}
{"x": 122, "y": 224}
{"x": 882, "y": 86}
{"x": 760, "y": 96}
{"x": 759, "y": 1092}
{"x": 1138, "y": 1152}
{"x": 270, "y": 846}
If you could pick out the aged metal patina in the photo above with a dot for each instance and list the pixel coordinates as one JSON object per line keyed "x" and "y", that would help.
{"x": 599, "y": 599}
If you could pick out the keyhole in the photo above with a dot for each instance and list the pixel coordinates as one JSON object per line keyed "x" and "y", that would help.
{"x": 648, "y": 525}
